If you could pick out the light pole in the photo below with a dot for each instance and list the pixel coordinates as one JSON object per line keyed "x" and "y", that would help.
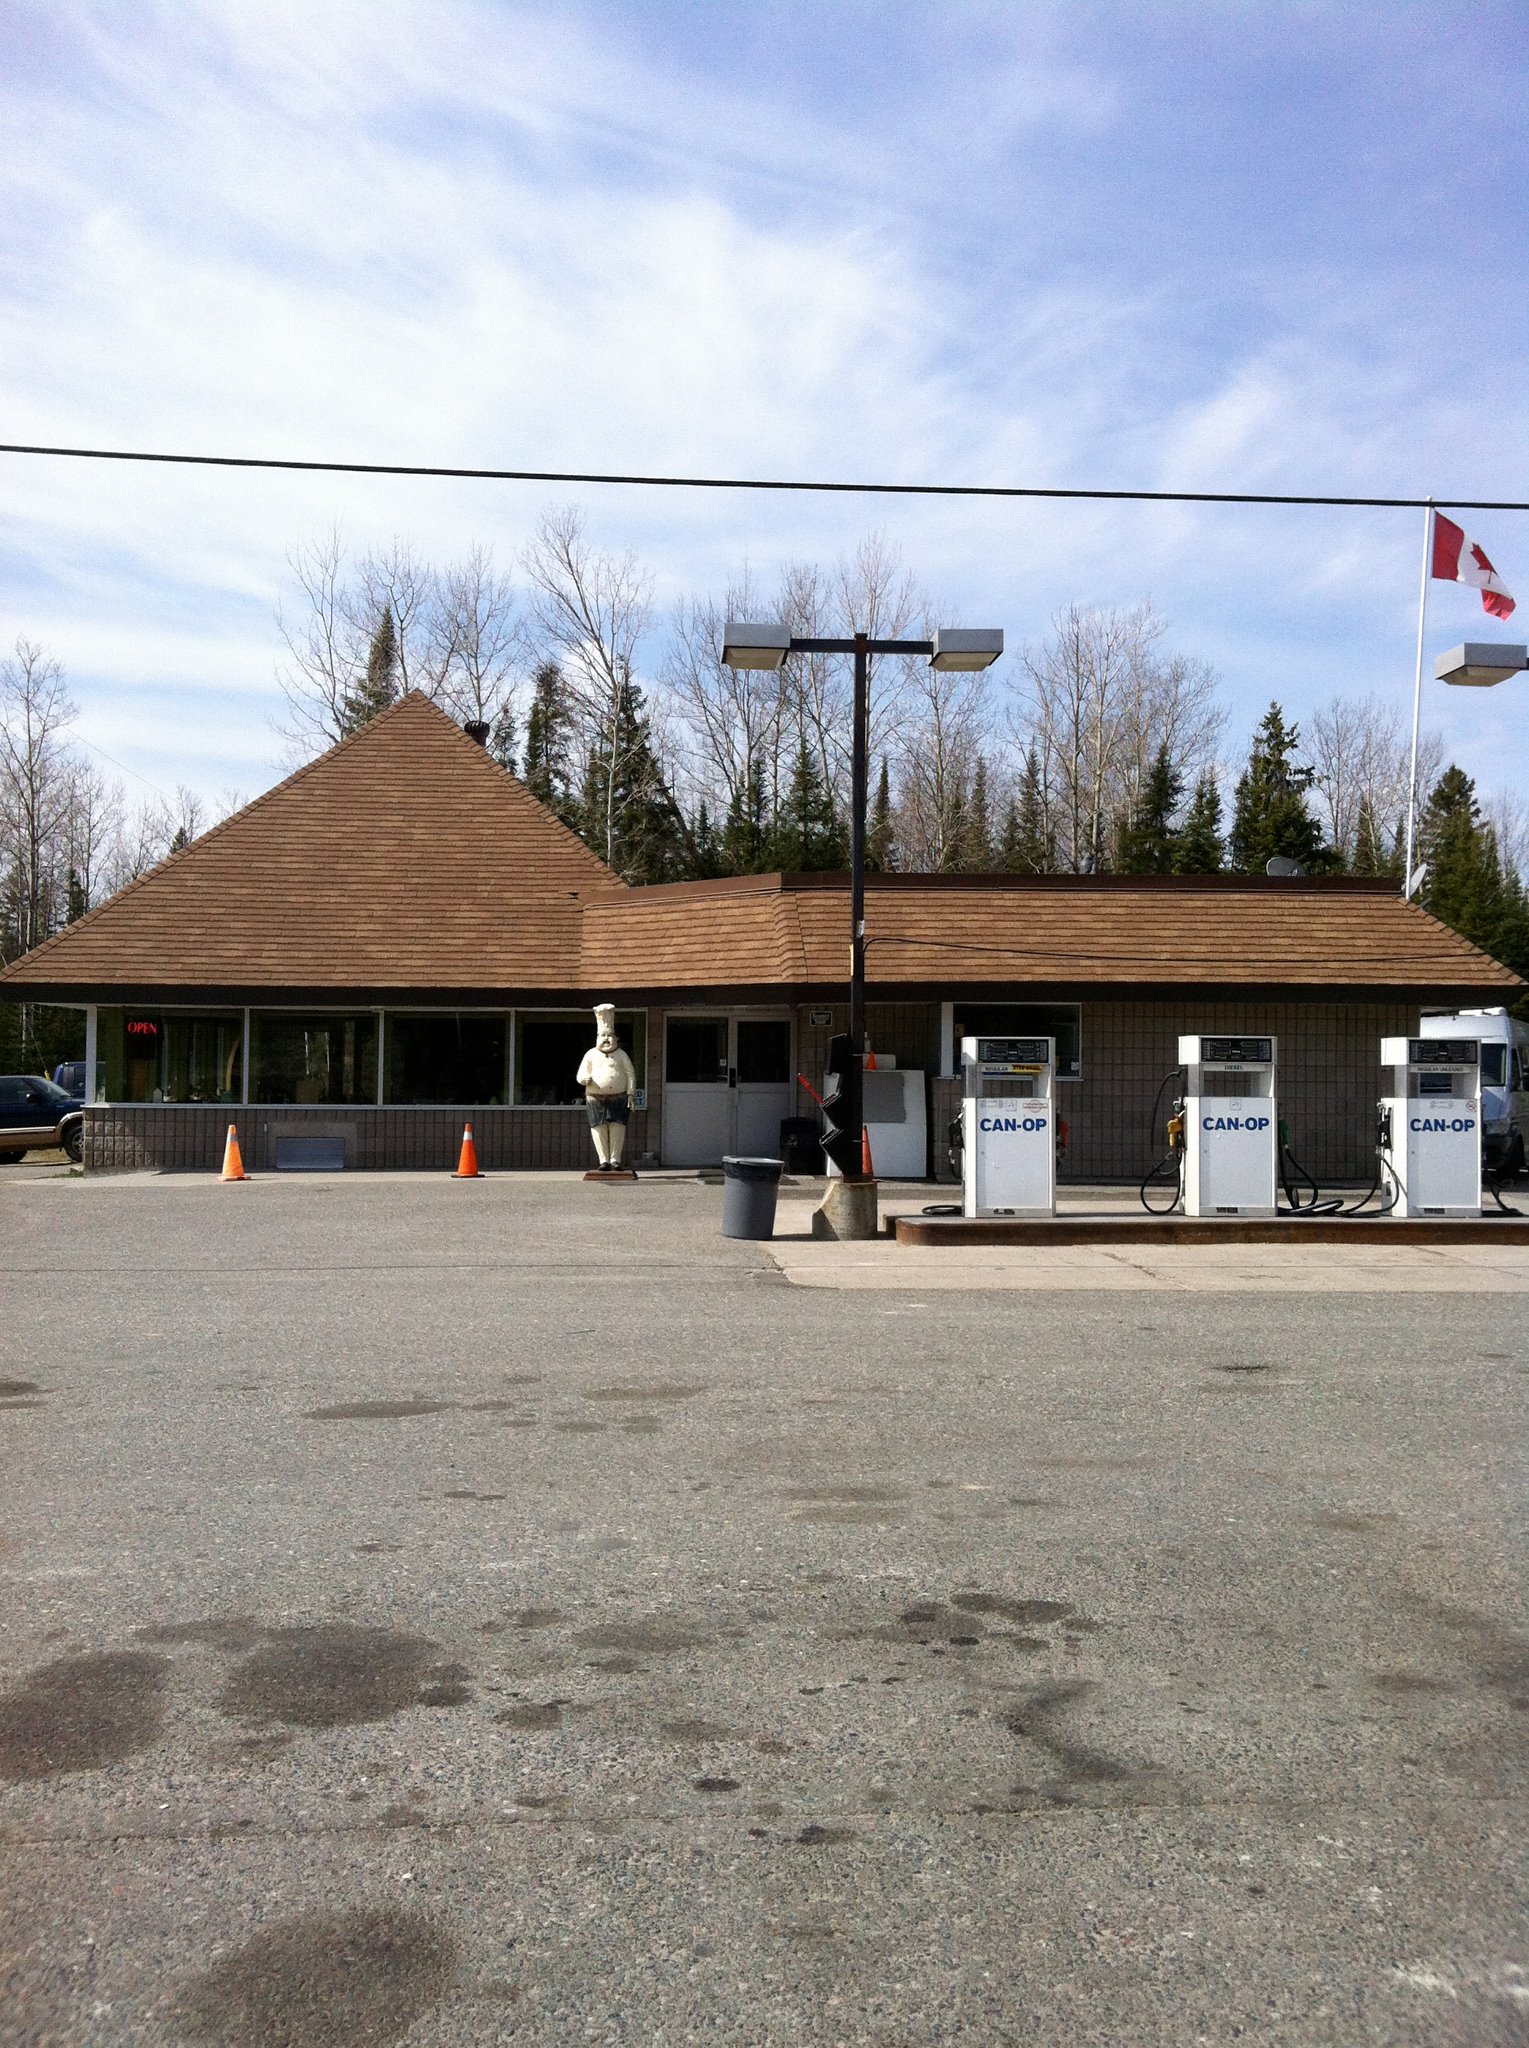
{"x": 766, "y": 647}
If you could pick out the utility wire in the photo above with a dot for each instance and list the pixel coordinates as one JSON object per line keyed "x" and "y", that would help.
{"x": 752, "y": 483}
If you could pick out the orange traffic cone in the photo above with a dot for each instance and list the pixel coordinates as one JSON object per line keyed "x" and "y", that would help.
{"x": 866, "y": 1167}
{"x": 233, "y": 1163}
{"x": 870, "y": 1061}
{"x": 467, "y": 1165}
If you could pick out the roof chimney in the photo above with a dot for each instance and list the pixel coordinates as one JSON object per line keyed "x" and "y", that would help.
{"x": 477, "y": 729}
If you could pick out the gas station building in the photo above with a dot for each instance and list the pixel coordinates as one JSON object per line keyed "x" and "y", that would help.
{"x": 399, "y": 935}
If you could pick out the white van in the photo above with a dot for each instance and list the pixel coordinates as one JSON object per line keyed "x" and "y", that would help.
{"x": 1504, "y": 1081}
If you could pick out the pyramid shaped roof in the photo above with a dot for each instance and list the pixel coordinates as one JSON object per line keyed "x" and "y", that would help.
{"x": 403, "y": 859}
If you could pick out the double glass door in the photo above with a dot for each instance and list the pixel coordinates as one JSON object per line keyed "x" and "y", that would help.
{"x": 727, "y": 1085}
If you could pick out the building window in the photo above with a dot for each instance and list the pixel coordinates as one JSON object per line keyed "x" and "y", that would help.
{"x": 695, "y": 1049}
{"x": 550, "y": 1044}
{"x": 171, "y": 1056}
{"x": 313, "y": 1059}
{"x": 459, "y": 1058}
{"x": 1061, "y": 1021}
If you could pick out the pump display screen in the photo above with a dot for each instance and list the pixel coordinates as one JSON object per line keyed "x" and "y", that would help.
{"x": 1243, "y": 1052}
{"x": 1014, "y": 1052}
{"x": 1443, "y": 1052}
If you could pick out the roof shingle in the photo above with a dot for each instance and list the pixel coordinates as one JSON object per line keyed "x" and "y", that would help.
{"x": 403, "y": 858}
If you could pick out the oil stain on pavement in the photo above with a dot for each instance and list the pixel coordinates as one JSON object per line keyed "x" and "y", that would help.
{"x": 81, "y": 1714}
{"x": 338, "y": 1673}
{"x": 345, "y": 1980}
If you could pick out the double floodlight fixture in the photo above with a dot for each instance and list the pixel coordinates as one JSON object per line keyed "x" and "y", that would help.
{"x": 953, "y": 647}
{"x": 1480, "y": 663}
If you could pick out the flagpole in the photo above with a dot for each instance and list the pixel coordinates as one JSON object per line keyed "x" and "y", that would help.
{"x": 1417, "y": 701}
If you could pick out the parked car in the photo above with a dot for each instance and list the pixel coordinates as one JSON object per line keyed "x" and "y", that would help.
{"x": 36, "y": 1115}
{"x": 70, "y": 1076}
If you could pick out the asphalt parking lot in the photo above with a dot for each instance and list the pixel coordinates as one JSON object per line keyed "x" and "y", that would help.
{"x": 453, "y": 1613}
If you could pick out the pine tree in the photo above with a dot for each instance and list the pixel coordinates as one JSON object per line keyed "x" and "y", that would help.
{"x": 1199, "y": 848}
{"x": 743, "y": 848}
{"x": 629, "y": 817}
{"x": 377, "y": 688}
{"x": 808, "y": 834}
{"x": 1372, "y": 855}
{"x": 704, "y": 857}
{"x": 547, "y": 772}
{"x": 1147, "y": 843}
{"x": 976, "y": 843}
{"x": 880, "y": 851}
{"x": 1466, "y": 886}
{"x": 1271, "y": 818}
{"x": 501, "y": 739}
{"x": 78, "y": 901}
{"x": 1024, "y": 845}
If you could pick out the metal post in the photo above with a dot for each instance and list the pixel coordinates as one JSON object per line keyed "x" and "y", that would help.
{"x": 1417, "y": 703}
{"x": 855, "y": 1124}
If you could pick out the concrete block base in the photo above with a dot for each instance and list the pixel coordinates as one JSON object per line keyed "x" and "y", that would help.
{"x": 847, "y": 1211}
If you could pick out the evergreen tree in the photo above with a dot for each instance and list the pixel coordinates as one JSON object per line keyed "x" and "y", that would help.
{"x": 501, "y": 739}
{"x": 629, "y": 817}
{"x": 808, "y": 835}
{"x": 1271, "y": 817}
{"x": 880, "y": 852}
{"x": 704, "y": 858}
{"x": 1147, "y": 842}
{"x": 1199, "y": 848}
{"x": 743, "y": 848}
{"x": 976, "y": 838}
{"x": 1372, "y": 855}
{"x": 1024, "y": 845}
{"x": 547, "y": 772}
{"x": 78, "y": 901}
{"x": 1466, "y": 885}
{"x": 377, "y": 688}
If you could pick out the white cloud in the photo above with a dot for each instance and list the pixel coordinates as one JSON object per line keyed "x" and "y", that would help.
{"x": 491, "y": 236}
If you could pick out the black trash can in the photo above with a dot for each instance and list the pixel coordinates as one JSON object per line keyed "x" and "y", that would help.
{"x": 748, "y": 1197}
{"x": 799, "y": 1145}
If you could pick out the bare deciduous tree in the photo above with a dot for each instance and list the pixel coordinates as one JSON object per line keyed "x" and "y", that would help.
{"x": 480, "y": 647}
{"x": 36, "y": 711}
{"x": 593, "y": 609}
{"x": 1359, "y": 750}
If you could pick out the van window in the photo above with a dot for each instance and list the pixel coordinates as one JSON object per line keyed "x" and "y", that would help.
{"x": 1494, "y": 1065}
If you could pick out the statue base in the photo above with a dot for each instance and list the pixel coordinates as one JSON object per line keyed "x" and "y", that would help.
{"x": 847, "y": 1211}
{"x": 611, "y": 1173}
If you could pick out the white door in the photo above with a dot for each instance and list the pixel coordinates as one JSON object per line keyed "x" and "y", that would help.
{"x": 698, "y": 1106}
{"x": 762, "y": 1092}
{"x": 727, "y": 1085}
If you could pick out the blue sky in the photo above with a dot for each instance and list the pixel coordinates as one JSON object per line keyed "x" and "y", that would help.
{"x": 1207, "y": 247}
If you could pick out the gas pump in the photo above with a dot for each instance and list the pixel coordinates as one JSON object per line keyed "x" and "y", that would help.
{"x": 1231, "y": 1126}
{"x": 1008, "y": 1127}
{"x": 1430, "y": 1127}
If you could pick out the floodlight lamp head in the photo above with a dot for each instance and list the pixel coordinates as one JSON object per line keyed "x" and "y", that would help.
{"x": 1479, "y": 664}
{"x": 755, "y": 646}
{"x": 966, "y": 647}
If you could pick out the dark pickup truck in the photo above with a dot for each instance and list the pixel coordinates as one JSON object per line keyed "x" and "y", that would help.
{"x": 36, "y": 1116}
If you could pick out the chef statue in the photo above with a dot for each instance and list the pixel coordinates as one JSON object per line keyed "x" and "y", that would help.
{"x": 610, "y": 1088}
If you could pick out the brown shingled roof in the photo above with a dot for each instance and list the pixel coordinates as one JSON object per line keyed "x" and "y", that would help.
{"x": 404, "y": 858}
{"x": 771, "y": 931}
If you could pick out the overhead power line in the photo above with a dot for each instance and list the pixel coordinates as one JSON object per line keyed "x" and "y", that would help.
{"x": 752, "y": 483}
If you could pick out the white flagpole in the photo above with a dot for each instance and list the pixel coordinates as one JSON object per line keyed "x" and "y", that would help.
{"x": 1417, "y": 700}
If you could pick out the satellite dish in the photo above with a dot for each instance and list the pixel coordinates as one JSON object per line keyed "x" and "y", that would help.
{"x": 1283, "y": 866}
{"x": 1416, "y": 880}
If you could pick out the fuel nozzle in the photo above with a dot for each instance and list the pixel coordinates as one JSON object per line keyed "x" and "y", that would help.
{"x": 1176, "y": 1128}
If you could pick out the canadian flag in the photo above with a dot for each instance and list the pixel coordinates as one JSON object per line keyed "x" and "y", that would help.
{"x": 1457, "y": 559}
